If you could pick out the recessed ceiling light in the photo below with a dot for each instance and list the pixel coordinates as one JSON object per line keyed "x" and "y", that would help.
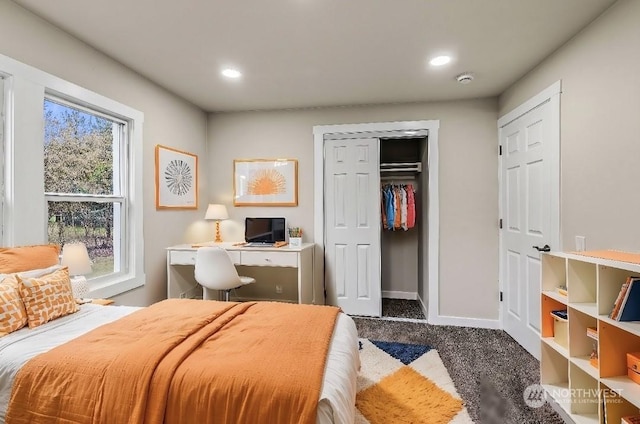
{"x": 440, "y": 60}
{"x": 231, "y": 73}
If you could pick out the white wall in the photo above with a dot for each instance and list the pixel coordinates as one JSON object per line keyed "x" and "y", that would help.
{"x": 169, "y": 120}
{"x": 468, "y": 161}
{"x": 468, "y": 183}
{"x": 600, "y": 127}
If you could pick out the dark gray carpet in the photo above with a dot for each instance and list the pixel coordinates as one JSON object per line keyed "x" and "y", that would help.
{"x": 490, "y": 370}
{"x": 401, "y": 308}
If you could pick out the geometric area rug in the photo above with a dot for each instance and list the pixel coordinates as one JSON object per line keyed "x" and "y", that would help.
{"x": 404, "y": 383}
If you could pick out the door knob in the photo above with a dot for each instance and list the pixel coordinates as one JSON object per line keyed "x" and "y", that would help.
{"x": 544, "y": 248}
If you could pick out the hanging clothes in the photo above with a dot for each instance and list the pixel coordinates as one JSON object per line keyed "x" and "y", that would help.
{"x": 390, "y": 206}
{"x": 403, "y": 208}
{"x": 398, "y": 207}
{"x": 383, "y": 208}
{"x": 411, "y": 206}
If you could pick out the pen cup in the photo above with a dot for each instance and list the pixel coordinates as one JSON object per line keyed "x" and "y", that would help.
{"x": 295, "y": 241}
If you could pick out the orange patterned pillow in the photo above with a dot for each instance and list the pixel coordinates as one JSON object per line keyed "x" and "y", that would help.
{"x": 17, "y": 259}
{"x": 12, "y": 314}
{"x": 48, "y": 297}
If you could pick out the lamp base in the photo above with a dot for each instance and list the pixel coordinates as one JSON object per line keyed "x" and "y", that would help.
{"x": 218, "y": 238}
{"x": 79, "y": 286}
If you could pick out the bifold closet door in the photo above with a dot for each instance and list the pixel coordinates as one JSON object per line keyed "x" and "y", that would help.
{"x": 352, "y": 225}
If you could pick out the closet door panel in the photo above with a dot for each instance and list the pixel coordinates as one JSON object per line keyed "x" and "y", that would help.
{"x": 352, "y": 244}
{"x": 364, "y": 264}
{"x": 362, "y": 201}
{"x": 340, "y": 273}
{"x": 340, "y": 204}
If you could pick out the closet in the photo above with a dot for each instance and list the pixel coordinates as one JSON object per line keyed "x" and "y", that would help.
{"x": 401, "y": 169}
{"x": 363, "y": 261}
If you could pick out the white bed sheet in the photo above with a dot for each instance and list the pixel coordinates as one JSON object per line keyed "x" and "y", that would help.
{"x": 337, "y": 399}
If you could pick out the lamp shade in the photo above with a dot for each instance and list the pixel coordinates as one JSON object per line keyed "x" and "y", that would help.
{"x": 216, "y": 212}
{"x": 76, "y": 257}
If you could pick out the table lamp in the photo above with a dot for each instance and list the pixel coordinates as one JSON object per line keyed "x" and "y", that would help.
{"x": 76, "y": 258}
{"x": 217, "y": 213}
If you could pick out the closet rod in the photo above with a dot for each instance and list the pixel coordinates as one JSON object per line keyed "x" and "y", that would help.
{"x": 401, "y": 167}
{"x": 397, "y": 177}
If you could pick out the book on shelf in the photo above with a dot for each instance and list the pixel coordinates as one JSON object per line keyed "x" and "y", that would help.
{"x": 631, "y": 419}
{"x": 630, "y": 305}
{"x": 616, "y": 305}
{"x": 592, "y": 332}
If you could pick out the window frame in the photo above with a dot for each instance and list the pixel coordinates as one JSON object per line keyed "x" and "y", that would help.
{"x": 121, "y": 251}
{"x": 25, "y": 202}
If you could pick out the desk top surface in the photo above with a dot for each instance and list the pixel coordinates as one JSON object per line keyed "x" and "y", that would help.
{"x": 240, "y": 246}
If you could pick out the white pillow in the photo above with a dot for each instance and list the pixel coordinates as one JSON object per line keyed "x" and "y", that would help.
{"x": 37, "y": 273}
{"x": 34, "y": 273}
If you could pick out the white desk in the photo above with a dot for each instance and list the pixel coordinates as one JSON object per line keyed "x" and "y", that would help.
{"x": 181, "y": 282}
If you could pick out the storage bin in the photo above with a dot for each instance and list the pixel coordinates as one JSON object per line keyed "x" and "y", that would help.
{"x": 633, "y": 366}
{"x": 560, "y": 331}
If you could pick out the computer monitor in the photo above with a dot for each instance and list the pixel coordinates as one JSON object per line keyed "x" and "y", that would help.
{"x": 264, "y": 230}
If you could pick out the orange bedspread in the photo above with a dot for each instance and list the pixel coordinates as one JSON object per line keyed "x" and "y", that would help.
{"x": 184, "y": 361}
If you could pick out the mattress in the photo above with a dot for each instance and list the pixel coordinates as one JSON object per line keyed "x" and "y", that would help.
{"x": 337, "y": 398}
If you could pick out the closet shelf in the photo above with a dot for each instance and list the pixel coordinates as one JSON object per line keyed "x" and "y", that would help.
{"x": 401, "y": 167}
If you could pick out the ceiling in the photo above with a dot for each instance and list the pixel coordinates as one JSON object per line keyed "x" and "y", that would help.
{"x": 311, "y": 53}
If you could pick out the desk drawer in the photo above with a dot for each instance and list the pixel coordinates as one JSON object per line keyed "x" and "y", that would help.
{"x": 183, "y": 257}
{"x": 289, "y": 259}
{"x": 188, "y": 257}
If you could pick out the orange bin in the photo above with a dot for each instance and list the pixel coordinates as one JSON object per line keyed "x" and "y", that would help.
{"x": 633, "y": 366}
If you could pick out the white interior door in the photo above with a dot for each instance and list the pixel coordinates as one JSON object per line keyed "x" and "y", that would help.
{"x": 352, "y": 222}
{"x": 530, "y": 181}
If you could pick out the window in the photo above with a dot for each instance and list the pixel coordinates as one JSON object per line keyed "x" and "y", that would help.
{"x": 2, "y": 131}
{"x": 88, "y": 160}
{"x": 85, "y": 186}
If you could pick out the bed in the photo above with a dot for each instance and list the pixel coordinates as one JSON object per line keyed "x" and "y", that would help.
{"x": 55, "y": 350}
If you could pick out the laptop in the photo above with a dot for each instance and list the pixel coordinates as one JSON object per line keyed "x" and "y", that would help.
{"x": 260, "y": 232}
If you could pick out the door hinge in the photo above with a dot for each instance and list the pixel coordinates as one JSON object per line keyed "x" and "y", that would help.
{"x": 500, "y": 223}
{"x": 500, "y": 150}
{"x": 500, "y": 296}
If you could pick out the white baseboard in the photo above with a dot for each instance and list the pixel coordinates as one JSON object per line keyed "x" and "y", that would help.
{"x": 492, "y": 324}
{"x": 423, "y": 306}
{"x": 262, "y": 299}
{"x": 439, "y": 320}
{"x": 391, "y": 294}
{"x": 459, "y": 321}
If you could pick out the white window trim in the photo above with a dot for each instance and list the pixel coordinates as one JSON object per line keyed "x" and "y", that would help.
{"x": 24, "y": 204}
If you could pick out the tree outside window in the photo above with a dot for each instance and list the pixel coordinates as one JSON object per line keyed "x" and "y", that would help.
{"x": 83, "y": 183}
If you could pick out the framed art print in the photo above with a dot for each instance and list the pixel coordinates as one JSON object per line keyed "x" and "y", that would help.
{"x": 265, "y": 182}
{"x": 176, "y": 179}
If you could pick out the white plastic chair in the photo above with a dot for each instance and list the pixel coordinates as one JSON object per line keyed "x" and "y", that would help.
{"x": 215, "y": 271}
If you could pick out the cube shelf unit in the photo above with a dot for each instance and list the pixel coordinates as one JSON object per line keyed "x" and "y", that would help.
{"x": 583, "y": 392}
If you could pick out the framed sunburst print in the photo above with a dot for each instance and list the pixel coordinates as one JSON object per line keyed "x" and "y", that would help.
{"x": 176, "y": 179}
{"x": 265, "y": 182}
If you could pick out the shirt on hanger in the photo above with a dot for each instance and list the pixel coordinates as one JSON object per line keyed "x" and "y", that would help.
{"x": 411, "y": 207}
